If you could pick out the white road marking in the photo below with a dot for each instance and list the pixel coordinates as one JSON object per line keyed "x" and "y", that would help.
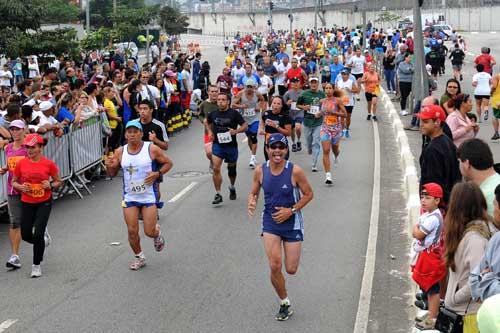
{"x": 361, "y": 323}
{"x": 493, "y": 32}
{"x": 183, "y": 192}
{"x": 475, "y": 33}
{"x": 8, "y": 323}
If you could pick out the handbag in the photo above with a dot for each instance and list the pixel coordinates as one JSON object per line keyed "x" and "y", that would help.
{"x": 449, "y": 321}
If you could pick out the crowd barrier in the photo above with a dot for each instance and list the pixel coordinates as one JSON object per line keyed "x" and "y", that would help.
{"x": 75, "y": 152}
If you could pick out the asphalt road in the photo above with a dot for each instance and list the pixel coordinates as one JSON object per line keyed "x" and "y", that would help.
{"x": 213, "y": 274}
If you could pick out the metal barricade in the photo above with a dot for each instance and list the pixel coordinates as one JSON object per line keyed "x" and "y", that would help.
{"x": 86, "y": 147}
{"x": 3, "y": 180}
{"x": 57, "y": 150}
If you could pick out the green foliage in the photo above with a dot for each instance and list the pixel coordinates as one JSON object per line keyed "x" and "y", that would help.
{"x": 61, "y": 11}
{"x": 387, "y": 16}
{"x": 99, "y": 39}
{"x": 172, "y": 21}
{"x": 21, "y": 15}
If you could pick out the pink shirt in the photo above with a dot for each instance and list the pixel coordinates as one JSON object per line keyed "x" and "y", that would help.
{"x": 458, "y": 126}
{"x": 13, "y": 157}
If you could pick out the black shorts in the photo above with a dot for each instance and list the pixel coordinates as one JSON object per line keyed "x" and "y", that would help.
{"x": 358, "y": 76}
{"x": 349, "y": 108}
{"x": 370, "y": 96}
{"x": 477, "y": 97}
{"x": 434, "y": 70}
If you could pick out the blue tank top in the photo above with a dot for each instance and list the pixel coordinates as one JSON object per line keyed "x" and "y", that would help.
{"x": 280, "y": 192}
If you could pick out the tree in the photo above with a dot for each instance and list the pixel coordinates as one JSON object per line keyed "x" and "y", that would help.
{"x": 61, "y": 11}
{"x": 21, "y": 15}
{"x": 172, "y": 21}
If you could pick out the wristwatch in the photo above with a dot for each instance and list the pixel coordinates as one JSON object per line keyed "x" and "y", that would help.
{"x": 294, "y": 210}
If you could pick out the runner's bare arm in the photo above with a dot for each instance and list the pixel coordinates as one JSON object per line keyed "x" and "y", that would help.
{"x": 113, "y": 163}
{"x": 494, "y": 84}
{"x": 236, "y": 101}
{"x": 299, "y": 177}
{"x": 253, "y": 196}
{"x": 342, "y": 111}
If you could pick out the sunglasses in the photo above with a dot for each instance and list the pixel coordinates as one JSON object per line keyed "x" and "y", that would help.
{"x": 277, "y": 146}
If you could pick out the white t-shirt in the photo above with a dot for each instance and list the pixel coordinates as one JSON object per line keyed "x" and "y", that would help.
{"x": 344, "y": 85}
{"x": 5, "y": 77}
{"x": 357, "y": 64}
{"x": 282, "y": 70}
{"x": 47, "y": 120}
{"x": 265, "y": 83}
{"x": 237, "y": 73}
{"x": 186, "y": 75}
{"x": 431, "y": 224}
{"x": 155, "y": 93}
{"x": 483, "y": 83}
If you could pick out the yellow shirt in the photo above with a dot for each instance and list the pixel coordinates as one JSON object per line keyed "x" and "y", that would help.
{"x": 495, "y": 97}
{"x": 111, "y": 110}
{"x": 229, "y": 61}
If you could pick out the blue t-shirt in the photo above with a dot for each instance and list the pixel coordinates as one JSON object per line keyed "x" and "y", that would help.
{"x": 64, "y": 114}
{"x": 335, "y": 71}
{"x": 281, "y": 55}
{"x": 244, "y": 78}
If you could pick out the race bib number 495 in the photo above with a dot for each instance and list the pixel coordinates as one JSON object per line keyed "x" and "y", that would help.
{"x": 138, "y": 188}
{"x": 224, "y": 137}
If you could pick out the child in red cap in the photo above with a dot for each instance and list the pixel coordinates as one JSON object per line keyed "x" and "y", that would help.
{"x": 428, "y": 266}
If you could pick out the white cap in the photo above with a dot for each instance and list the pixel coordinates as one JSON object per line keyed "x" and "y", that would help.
{"x": 46, "y": 105}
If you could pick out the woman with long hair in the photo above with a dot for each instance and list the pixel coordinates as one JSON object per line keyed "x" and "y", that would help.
{"x": 460, "y": 125}
{"x": 34, "y": 177}
{"x": 332, "y": 109}
{"x": 466, "y": 237}
{"x": 452, "y": 89}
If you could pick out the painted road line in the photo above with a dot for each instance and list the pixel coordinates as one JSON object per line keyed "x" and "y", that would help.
{"x": 183, "y": 192}
{"x": 8, "y": 323}
{"x": 475, "y": 33}
{"x": 365, "y": 295}
{"x": 493, "y": 32}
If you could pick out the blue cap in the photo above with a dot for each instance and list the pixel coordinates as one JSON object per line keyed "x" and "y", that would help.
{"x": 277, "y": 137}
{"x": 134, "y": 123}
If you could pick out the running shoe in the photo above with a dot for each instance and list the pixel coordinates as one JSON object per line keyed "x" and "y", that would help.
{"x": 486, "y": 113}
{"x": 294, "y": 147}
{"x": 36, "y": 271}
{"x": 217, "y": 199}
{"x": 403, "y": 113}
{"x": 495, "y": 136}
{"x": 328, "y": 180}
{"x": 284, "y": 313}
{"x": 47, "y": 238}
{"x": 137, "y": 264}
{"x": 14, "y": 262}
{"x": 347, "y": 133}
{"x": 299, "y": 146}
{"x": 314, "y": 168}
{"x": 232, "y": 193}
{"x": 369, "y": 117}
{"x": 159, "y": 241}
{"x": 375, "y": 118}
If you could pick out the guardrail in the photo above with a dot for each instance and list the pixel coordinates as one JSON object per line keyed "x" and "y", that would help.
{"x": 75, "y": 152}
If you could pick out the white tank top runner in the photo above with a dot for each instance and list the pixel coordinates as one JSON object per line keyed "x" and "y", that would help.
{"x": 135, "y": 169}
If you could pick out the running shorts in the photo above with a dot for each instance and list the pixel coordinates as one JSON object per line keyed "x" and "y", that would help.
{"x": 228, "y": 154}
{"x": 289, "y": 236}
{"x": 370, "y": 96}
{"x": 349, "y": 108}
{"x": 326, "y": 136}
{"x": 253, "y": 128}
{"x": 496, "y": 113}
{"x": 481, "y": 96}
{"x": 358, "y": 76}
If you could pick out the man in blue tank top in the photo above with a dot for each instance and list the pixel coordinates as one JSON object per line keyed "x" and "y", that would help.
{"x": 137, "y": 159}
{"x": 286, "y": 192}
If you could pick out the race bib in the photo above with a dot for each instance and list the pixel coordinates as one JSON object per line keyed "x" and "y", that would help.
{"x": 36, "y": 191}
{"x": 250, "y": 112}
{"x": 294, "y": 106}
{"x": 12, "y": 162}
{"x": 331, "y": 120}
{"x": 224, "y": 137}
{"x": 138, "y": 187}
{"x": 314, "y": 109}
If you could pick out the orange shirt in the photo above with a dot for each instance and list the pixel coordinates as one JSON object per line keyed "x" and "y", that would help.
{"x": 33, "y": 173}
{"x": 371, "y": 83}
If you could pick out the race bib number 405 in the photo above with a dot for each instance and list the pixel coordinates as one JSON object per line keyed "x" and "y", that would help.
{"x": 36, "y": 191}
{"x": 224, "y": 137}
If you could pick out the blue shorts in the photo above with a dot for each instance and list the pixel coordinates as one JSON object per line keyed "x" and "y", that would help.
{"x": 128, "y": 204}
{"x": 325, "y": 136}
{"x": 253, "y": 128}
{"x": 289, "y": 236}
{"x": 298, "y": 120}
{"x": 227, "y": 153}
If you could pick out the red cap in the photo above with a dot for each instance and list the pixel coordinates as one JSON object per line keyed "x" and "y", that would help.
{"x": 434, "y": 190}
{"x": 32, "y": 139}
{"x": 432, "y": 112}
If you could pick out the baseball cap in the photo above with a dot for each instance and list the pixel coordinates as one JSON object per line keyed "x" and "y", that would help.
{"x": 250, "y": 83}
{"x": 432, "y": 112}
{"x": 35, "y": 114}
{"x": 277, "y": 137}
{"x": 134, "y": 123}
{"x": 295, "y": 79}
{"x": 313, "y": 78}
{"x": 433, "y": 189}
{"x": 345, "y": 71}
{"x": 32, "y": 139}
{"x": 18, "y": 123}
{"x": 45, "y": 106}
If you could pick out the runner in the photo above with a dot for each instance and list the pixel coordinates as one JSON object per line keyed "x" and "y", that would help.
{"x": 457, "y": 57}
{"x": 350, "y": 87}
{"x": 282, "y": 220}
{"x": 207, "y": 107}
{"x": 371, "y": 80}
{"x": 332, "y": 108}
{"x": 309, "y": 102}
{"x": 275, "y": 120}
{"x": 495, "y": 104}
{"x": 32, "y": 178}
{"x": 296, "y": 114}
{"x": 14, "y": 152}
{"x": 249, "y": 102}
{"x": 481, "y": 81}
{"x": 137, "y": 159}
{"x": 222, "y": 126}
{"x": 296, "y": 72}
{"x": 357, "y": 63}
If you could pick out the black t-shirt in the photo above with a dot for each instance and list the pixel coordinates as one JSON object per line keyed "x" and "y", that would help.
{"x": 221, "y": 122}
{"x": 281, "y": 118}
{"x": 457, "y": 57}
{"x": 439, "y": 164}
{"x": 151, "y": 127}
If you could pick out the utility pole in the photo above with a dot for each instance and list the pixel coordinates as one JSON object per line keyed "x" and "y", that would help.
{"x": 315, "y": 15}
{"x": 87, "y": 17}
{"x": 421, "y": 85}
{"x": 363, "y": 33}
{"x": 290, "y": 17}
